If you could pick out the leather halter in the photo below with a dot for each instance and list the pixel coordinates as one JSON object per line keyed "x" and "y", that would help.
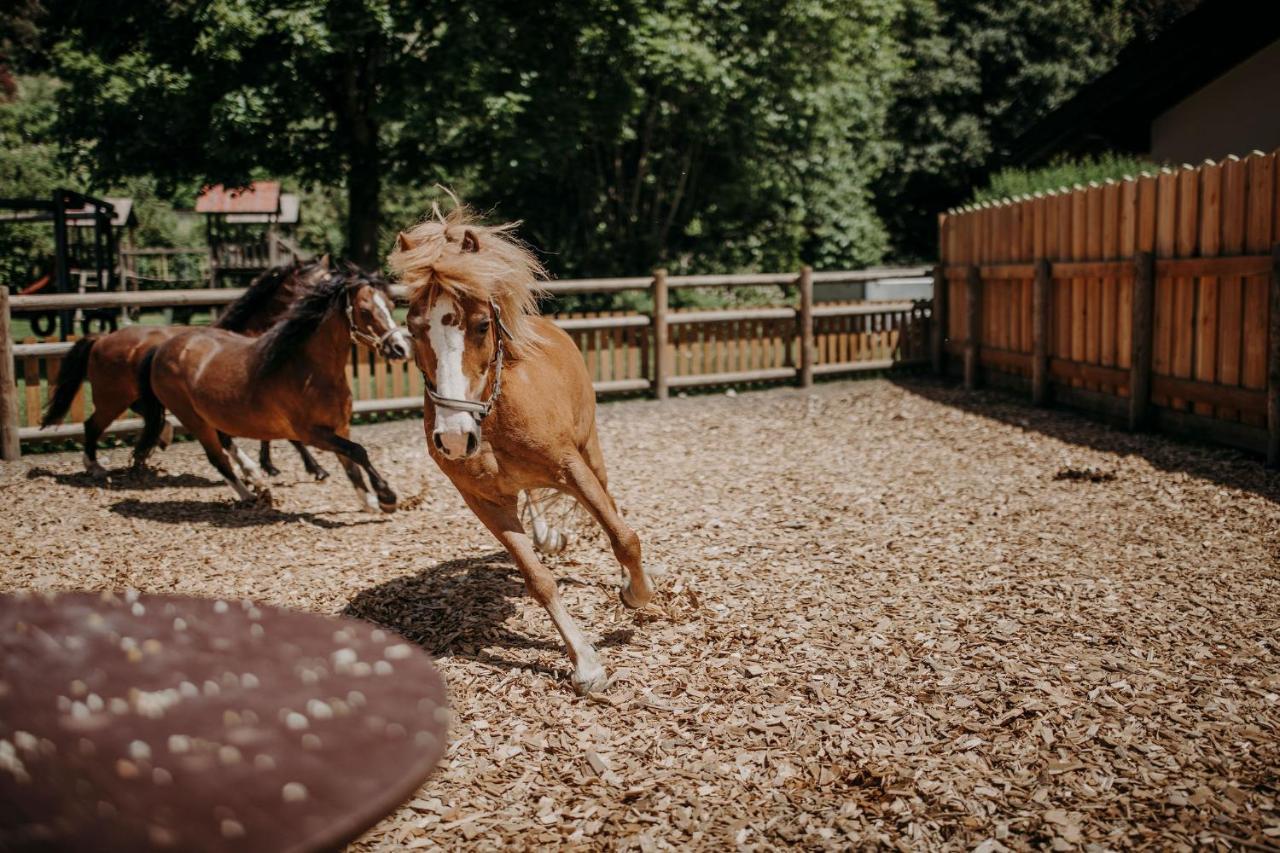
{"x": 360, "y": 336}
{"x": 479, "y": 408}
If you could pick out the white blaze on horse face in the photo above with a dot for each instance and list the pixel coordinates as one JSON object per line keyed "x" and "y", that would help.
{"x": 448, "y": 342}
{"x": 398, "y": 337}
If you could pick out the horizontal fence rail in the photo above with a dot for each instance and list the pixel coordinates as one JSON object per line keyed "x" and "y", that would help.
{"x": 625, "y": 352}
{"x": 1154, "y": 300}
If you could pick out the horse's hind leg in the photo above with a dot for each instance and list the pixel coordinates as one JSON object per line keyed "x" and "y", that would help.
{"x": 105, "y": 410}
{"x": 211, "y": 440}
{"x": 587, "y": 487}
{"x": 309, "y": 462}
{"x": 503, "y": 521}
{"x": 264, "y": 460}
{"x": 251, "y": 471}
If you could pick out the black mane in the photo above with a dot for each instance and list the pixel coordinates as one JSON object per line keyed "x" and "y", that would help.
{"x": 260, "y": 293}
{"x": 306, "y": 315}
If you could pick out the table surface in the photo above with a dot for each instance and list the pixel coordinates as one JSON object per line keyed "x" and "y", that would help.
{"x": 137, "y": 722}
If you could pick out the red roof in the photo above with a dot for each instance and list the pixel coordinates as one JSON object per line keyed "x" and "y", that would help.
{"x": 258, "y": 197}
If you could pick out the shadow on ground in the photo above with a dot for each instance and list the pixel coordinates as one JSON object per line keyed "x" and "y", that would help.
{"x": 221, "y": 513}
{"x": 123, "y": 479}
{"x": 1224, "y": 466}
{"x": 457, "y": 608}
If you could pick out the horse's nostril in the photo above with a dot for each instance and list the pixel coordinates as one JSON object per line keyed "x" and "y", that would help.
{"x": 435, "y": 438}
{"x": 473, "y": 441}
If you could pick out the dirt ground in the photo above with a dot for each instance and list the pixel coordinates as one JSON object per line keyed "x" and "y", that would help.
{"x": 891, "y": 613}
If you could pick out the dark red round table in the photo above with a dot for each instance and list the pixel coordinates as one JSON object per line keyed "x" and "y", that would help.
{"x": 141, "y": 722}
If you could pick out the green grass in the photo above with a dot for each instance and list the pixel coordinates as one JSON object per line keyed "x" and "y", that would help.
{"x": 1062, "y": 172}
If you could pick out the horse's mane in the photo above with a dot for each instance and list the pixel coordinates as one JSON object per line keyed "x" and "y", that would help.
{"x": 288, "y": 336}
{"x": 491, "y": 264}
{"x": 262, "y": 290}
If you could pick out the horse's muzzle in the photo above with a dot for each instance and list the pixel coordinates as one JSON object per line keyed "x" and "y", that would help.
{"x": 396, "y": 346}
{"x": 457, "y": 445}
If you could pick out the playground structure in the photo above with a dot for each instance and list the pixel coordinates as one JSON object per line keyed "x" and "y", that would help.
{"x": 87, "y": 234}
{"x": 249, "y": 230}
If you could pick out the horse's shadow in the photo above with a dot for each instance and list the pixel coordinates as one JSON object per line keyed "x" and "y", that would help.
{"x": 124, "y": 479}
{"x": 457, "y": 608}
{"x": 224, "y": 514}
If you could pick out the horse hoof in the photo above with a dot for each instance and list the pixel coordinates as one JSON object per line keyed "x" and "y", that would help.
{"x": 632, "y": 601}
{"x": 592, "y": 681}
{"x": 321, "y": 475}
{"x": 93, "y": 469}
{"x": 388, "y": 507}
{"x": 271, "y": 470}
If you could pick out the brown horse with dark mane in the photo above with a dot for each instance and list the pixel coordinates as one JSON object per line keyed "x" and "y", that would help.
{"x": 509, "y": 406}
{"x": 111, "y": 362}
{"x": 290, "y": 383}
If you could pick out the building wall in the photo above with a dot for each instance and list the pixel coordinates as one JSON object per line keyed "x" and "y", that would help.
{"x": 1237, "y": 113}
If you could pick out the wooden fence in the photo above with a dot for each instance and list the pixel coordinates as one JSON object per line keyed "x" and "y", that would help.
{"x": 698, "y": 347}
{"x": 1153, "y": 300}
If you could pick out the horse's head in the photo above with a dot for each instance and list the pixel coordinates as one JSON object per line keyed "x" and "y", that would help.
{"x": 457, "y": 343}
{"x": 370, "y": 317}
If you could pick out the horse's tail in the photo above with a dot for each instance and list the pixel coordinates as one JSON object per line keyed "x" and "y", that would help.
{"x": 74, "y": 367}
{"x": 151, "y": 408}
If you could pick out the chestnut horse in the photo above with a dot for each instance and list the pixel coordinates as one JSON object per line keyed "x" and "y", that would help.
{"x": 290, "y": 383}
{"x": 110, "y": 362}
{"x": 509, "y": 404}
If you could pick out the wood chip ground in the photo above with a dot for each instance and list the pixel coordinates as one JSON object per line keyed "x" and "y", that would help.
{"x": 886, "y": 618}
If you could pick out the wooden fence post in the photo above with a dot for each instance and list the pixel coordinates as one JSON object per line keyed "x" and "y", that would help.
{"x": 1273, "y": 363}
{"x": 938, "y": 318}
{"x": 1040, "y": 333}
{"x": 9, "y": 448}
{"x": 973, "y": 308}
{"x": 1142, "y": 326}
{"x": 806, "y": 327}
{"x": 660, "y": 366}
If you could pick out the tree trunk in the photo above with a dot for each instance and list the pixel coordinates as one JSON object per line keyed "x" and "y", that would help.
{"x": 364, "y": 184}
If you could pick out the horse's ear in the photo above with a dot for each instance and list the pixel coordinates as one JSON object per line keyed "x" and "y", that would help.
{"x": 325, "y": 261}
{"x": 469, "y": 242}
{"x": 402, "y": 242}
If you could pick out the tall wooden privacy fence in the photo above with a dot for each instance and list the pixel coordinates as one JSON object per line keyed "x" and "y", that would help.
{"x": 655, "y": 351}
{"x": 1154, "y": 300}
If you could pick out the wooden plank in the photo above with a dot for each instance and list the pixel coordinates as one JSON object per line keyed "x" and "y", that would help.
{"x": 1108, "y": 322}
{"x": 379, "y": 378}
{"x": 1273, "y": 362}
{"x": 363, "y": 391}
{"x": 1040, "y": 335}
{"x": 1182, "y": 343}
{"x": 1006, "y": 271}
{"x": 1166, "y": 221}
{"x": 10, "y": 443}
{"x": 31, "y": 385}
{"x": 1222, "y": 266}
{"x": 1205, "y": 329}
{"x": 1211, "y": 394}
{"x": 1094, "y": 221}
{"x": 805, "y": 318}
{"x": 691, "y": 380}
{"x": 1078, "y": 288}
{"x": 1082, "y": 372}
{"x": 1127, "y": 231}
{"x": 973, "y": 312}
{"x": 1235, "y": 204}
{"x": 1007, "y": 360}
{"x": 660, "y": 362}
{"x": 1262, "y": 228}
{"x": 1142, "y": 324}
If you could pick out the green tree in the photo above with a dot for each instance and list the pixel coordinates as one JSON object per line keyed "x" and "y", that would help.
{"x": 979, "y": 74}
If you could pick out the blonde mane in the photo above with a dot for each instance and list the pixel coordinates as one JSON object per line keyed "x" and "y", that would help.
{"x": 483, "y": 262}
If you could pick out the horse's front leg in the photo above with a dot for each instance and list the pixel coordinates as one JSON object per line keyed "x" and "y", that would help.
{"x": 327, "y": 438}
{"x": 503, "y": 521}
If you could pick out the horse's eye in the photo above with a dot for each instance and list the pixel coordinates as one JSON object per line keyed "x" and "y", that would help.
{"x": 482, "y": 327}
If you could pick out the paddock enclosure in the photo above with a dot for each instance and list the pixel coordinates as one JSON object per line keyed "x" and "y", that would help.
{"x": 1153, "y": 301}
{"x": 891, "y": 613}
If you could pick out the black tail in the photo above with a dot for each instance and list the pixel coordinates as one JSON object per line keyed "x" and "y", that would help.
{"x": 74, "y": 367}
{"x": 152, "y": 411}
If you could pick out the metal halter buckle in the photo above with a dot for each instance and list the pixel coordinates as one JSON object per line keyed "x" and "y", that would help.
{"x": 480, "y": 409}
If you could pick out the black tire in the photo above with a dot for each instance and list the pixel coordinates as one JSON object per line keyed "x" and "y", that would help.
{"x": 44, "y": 325}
